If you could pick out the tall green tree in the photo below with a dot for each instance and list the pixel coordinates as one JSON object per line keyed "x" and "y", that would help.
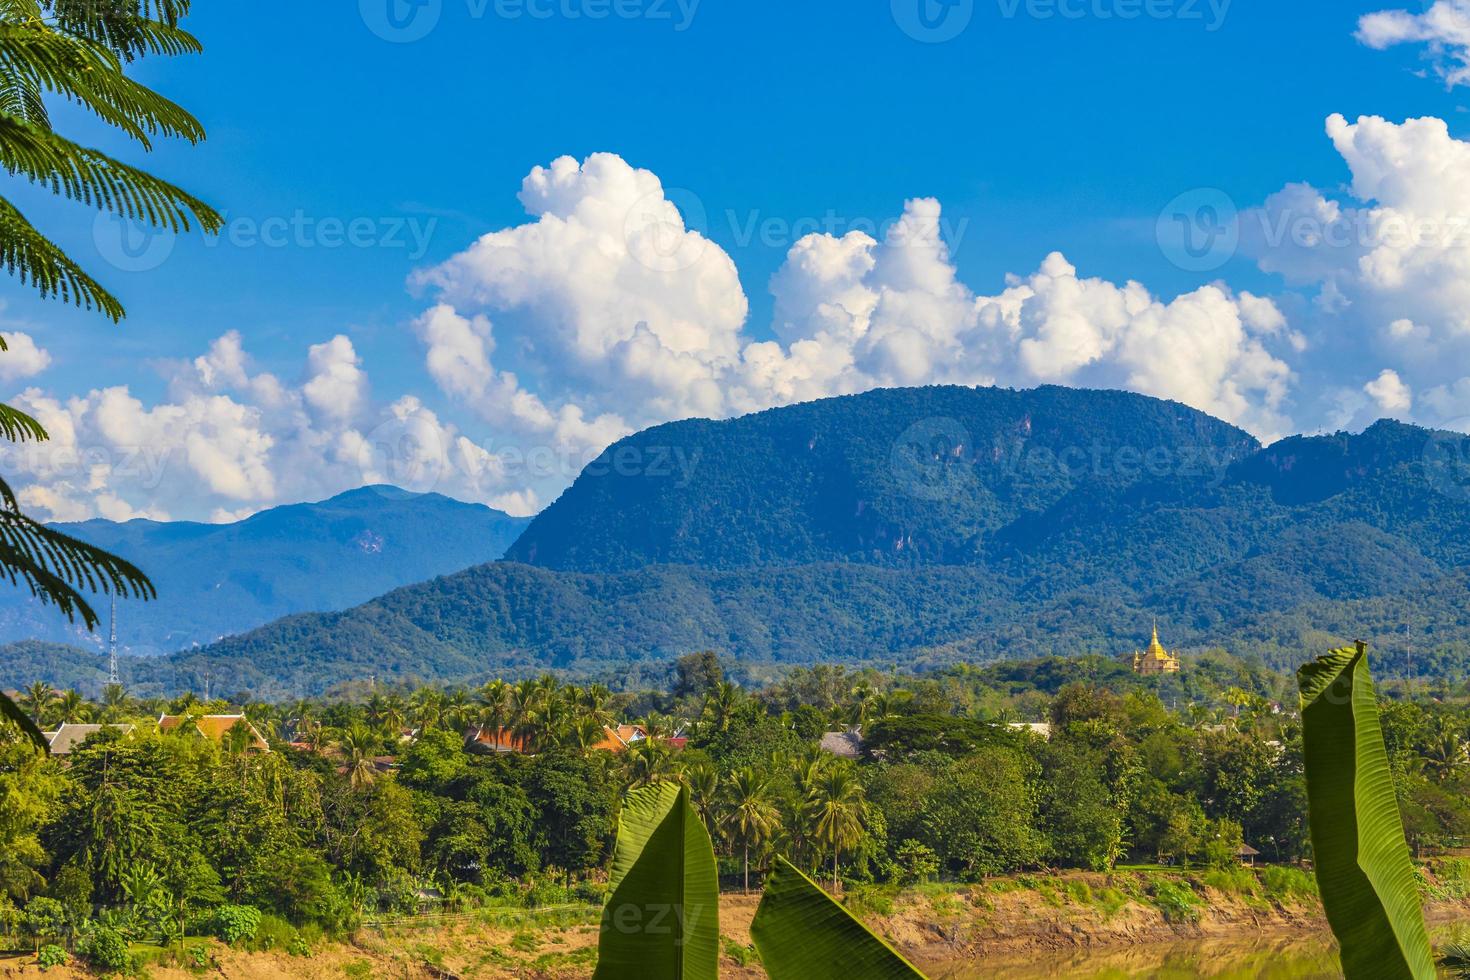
{"x": 749, "y": 813}
{"x": 78, "y": 52}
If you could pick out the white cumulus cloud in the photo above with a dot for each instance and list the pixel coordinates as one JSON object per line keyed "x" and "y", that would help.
{"x": 1444, "y": 28}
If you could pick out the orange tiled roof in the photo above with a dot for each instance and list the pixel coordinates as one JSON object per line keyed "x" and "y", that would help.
{"x": 215, "y": 727}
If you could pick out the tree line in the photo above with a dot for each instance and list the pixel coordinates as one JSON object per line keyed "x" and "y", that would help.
{"x": 383, "y": 804}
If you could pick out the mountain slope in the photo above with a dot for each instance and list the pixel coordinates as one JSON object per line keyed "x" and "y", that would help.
{"x": 218, "y": 579}
{"x": 890, "y": 477}
{"x": 932, "y": 525}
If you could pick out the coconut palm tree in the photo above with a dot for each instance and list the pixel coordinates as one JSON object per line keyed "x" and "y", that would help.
{"x": 837, "y": 811}
{"x": 37, "y": 700}
{"x": 495, "y": 708}
{"x": 720, "y": 705}
{"x": 72, "y": 708}
{"x": 585, "y": 732}
{"x": 359, "y": 744}
{"x": 703, "y": 781}
{"x": 648, "y": 760}
{"x": 77, "y": 51}
{"x": 749, "y": 813}
{"x": 426, "y": 708}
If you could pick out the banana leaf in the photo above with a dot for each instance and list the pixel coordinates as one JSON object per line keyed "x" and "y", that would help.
{"x": 11, "y": 711}
{"x": 802, "y": 934}
{"x": 1368, "y": 885}
{"x": 661, "y": 921}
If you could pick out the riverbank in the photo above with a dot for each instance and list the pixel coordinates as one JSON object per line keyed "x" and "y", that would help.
{"x": 1073, "y": 924}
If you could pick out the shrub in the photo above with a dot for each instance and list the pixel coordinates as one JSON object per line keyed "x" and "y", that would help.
{"x": 106, "y": 949}
{"x": 1232, "y": 881}
{"x": 743, "y": 955}
{"x": 236, "y": 923}
{"x": 1176, "y": 900}
{"x": 298, "y": 947}
{"x": 273, "y": 932}
{"x": 1284, "y": 883}
{"x": 916, "y": 862}
{"x": 49, "y": 956}
{"x": 45, "y": 918}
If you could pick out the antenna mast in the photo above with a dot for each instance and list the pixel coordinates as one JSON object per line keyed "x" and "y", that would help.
{"x": 112, "y": 645}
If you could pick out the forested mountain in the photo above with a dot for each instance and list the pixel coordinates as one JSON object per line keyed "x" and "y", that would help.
{"x": 217, "y": 579}
{"x": 919, "y": 527}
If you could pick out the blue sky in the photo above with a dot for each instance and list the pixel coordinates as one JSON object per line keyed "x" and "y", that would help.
{"x": 1039, "y": 127}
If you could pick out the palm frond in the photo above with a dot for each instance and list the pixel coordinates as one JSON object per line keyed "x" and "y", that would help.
{"x": 57, "y": 567}
{"x": 94, "y": 178}
{"x": 88, "y": 74}
{"x": 131, "y": 28}
{"x": 16, "y": 425}
{"x": 12, "y": 712}
{"x": 31, "y": 256}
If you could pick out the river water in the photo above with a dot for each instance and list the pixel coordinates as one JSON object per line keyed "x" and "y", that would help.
{"x": 1311, "y": 957}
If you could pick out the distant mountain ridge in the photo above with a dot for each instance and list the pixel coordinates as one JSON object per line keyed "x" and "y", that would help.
{"x": 218, "y": 579}
{"x": 919, "y": 526}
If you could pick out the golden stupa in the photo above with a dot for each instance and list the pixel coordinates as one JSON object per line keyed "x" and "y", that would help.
{"x": 1155, "y": 660}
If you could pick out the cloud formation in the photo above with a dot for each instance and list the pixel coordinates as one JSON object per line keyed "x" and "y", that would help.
{"x": 1444, "y": 28}
{"x": 613, "y": 315}
{"x": 607, "y": 311}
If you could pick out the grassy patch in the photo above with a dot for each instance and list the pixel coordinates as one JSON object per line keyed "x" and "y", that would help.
{"x": 1176, "y": 899}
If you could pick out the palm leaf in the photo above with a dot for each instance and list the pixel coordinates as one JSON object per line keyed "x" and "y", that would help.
{"x": 802, "y": 934}
{"x": 1455, "y": 958}
{"x": 34, "y": 258}
{"x": 91, "y": 177}
{"x": 91, "y": 76}
{"x": 16, "y": 425}
{"x": 1367, "y": 881}
{"x": 11, "y": 711}
{"x": 661, "y": 921}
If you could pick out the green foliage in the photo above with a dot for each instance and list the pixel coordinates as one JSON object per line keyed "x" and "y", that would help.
{"x": 1178, "y": 901}
{"x": 1034, "y": 557}
{"x": 916, "y": 862}
{"x": 49, "y": 956}
{"x": 661, "y": 920}
{"x": 803, "y": 935}
{"x": 1362, "y": 862}
{"x": 106, "y": 949}
{"x": 979, "y": 818}
{"x": 1284, "y": 884}
{"x": 236, "y": 924}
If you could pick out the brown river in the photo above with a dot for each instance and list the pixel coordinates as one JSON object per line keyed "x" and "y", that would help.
{"x": 1245, "y": 958}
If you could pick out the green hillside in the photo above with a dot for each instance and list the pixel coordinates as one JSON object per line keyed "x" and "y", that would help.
{"x": 862, "y": 530}
{"x": 218, "y": 579}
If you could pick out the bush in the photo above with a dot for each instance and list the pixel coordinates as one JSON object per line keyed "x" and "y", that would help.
{"x": 298, "y": 947}
{"x": 50, "y": 956}
{"x": 106, "y": 949}
{"x": 1284, "y": 883}
{"x": 273, "y": 932}
{"x": 1232, "y": 881}
{"x": 1176, "y": 900}
{"x": 237, "y": 923}
{"x": 916, "y": 862}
